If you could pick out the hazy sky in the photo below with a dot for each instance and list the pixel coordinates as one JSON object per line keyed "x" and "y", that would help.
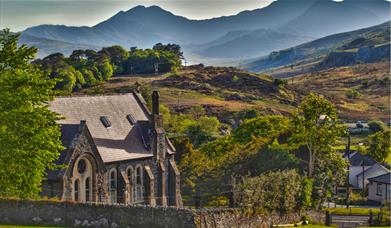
{"x": 20, "y": 14}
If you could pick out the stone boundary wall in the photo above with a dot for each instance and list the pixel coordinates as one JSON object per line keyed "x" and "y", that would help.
{"x": 68, "y": 214}
{"x": 227, "y": 218}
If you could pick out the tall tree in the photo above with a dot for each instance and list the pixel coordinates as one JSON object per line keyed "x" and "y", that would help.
{"x": 316, "y": 127}
{"x": 379, "y": 145}
{"x": 29, "y": 136}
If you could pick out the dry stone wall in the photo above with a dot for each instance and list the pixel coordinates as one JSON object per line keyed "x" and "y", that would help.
{"x": 66, "y": 214}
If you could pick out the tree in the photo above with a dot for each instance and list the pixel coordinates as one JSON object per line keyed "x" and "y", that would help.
{"x": 315, "y": 127}
{"x": 270, "y": 192}
{"x": 106, "y": 69}
{"x": 376, "y": 125}
{"x": 29, "y": 136}
{"x": 260, "y": 127}
{"x": 379, "y": 145}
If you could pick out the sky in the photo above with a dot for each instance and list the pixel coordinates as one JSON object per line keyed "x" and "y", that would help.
{"x": 20, "y": 14}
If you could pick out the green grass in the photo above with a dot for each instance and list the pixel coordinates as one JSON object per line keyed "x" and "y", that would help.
{"x": 313, "y": 226}
{"x": 353, "y": 211}
{"x": 15, "y": 226}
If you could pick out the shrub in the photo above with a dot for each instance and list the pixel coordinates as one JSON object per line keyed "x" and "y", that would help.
{"x": 376, "y": 125}
{"x": 353, "y": 94}
{"x": 280, "y": 82}
{"x": 277, "y": 191}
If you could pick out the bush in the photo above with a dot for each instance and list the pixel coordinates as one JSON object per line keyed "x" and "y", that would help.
{"x": 270, "y": 192}
{"x": 353, "y": 94}
{"x": 376, "y": 125}
{"x": 280, "y": 82}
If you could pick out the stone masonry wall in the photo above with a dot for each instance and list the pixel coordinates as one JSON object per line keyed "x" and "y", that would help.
{"x": 229, "y": 218}
{"x": 48, "y": 213}
{"x": 72, "y": 215}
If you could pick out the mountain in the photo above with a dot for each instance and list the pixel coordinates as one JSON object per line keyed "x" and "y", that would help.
{"x": 327, "y": 17}
{"x": 249, "y": 43}
{"x": 144, "y": 26}
{"x": 368, "y": 45}
{"x": 48, "y": 46}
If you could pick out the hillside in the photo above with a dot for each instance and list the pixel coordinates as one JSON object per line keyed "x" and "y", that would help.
{"x": 360, "y": 92}
{"x": 225, "y": 91}
{"x": 249, "y": 43}
{"x": 364, "y": 45}
{"x": 145, "y": 26}
{"x": 48, "y": 46}
{"x": 222, "y": 91}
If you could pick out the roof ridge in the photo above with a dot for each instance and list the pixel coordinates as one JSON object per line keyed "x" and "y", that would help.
{"x": 94, "y": 95}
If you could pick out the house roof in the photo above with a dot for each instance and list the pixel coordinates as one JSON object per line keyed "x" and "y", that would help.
{"x": 373, "y": 169}
{"x": 122, "y": 140}
{"x": 358, "y": 159}
{"x": 385, "y": 178}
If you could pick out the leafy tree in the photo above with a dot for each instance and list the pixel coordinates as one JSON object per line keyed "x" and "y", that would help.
{"x": 280, "y": 82}
{"x": 66, "y": 80}
{"x": 116, "y": 53}
{"x": 353, "y": 94}
{"x": 106, "y": 69}
{"x": 217, "y": 148}
{"x": 29, "y": 136}
{"x": 89, "y": 77}
{"x": 272, "y": 157}
{"x": 193, "y": 165}
{"x": 173, "y": 48}
{"x": 306, "y": 195}
{"x": 278, "y": 191}
{"x": 315, "y": 127}
{"x": 376, "y": 125}
{"x": 203, "y": 129}
{"x": 260, "y": 127}
{"x": 379, "y": 145}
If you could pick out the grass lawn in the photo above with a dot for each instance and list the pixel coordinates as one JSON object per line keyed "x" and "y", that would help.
{"x": 313, "y": 226}
{"x": 14, "y": 226}
{"x": 353, "y": 210}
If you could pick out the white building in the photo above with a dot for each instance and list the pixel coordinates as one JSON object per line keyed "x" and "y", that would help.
{"x": 379, "y": 188}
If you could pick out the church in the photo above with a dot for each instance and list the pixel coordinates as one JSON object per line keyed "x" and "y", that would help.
{"x": 116, "y": 151}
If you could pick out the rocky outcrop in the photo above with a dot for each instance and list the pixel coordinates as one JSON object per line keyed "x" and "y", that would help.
{"x": 369, "y": 54}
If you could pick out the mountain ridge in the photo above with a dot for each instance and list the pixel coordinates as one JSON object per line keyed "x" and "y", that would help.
{"x": 145, "y": 26}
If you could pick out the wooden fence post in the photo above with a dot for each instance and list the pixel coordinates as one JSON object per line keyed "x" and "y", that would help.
{"x": 328, "y": 218}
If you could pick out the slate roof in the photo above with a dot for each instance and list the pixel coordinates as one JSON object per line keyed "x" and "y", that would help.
{"x": 385, "y": 178}
{"x": 69, "y": 132}
{"x": 357, "y": 159}
{"x": 121, "y": 141}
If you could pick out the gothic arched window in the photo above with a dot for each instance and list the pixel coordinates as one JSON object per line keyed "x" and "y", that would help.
{"x": 113, "y": 186}
{"x": 76, "y": 190}
{"x": 139, "y": 184}
{"x": 87, "y": 189}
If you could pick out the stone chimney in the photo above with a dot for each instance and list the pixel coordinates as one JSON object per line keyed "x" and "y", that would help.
{"x": 159, "y": 145}
{"x": 155, "y": 102}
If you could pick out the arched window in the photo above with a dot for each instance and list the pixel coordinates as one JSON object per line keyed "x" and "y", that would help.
{"x": 139, "y": 184}
{"x": 76, "y": 190}
{"x": 129, "y": 173}
{"x": 113, "y": 186}
{"x": 88, "y": 189}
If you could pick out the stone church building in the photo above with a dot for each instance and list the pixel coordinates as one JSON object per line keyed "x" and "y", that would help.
{"x": 116, "y": 152}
